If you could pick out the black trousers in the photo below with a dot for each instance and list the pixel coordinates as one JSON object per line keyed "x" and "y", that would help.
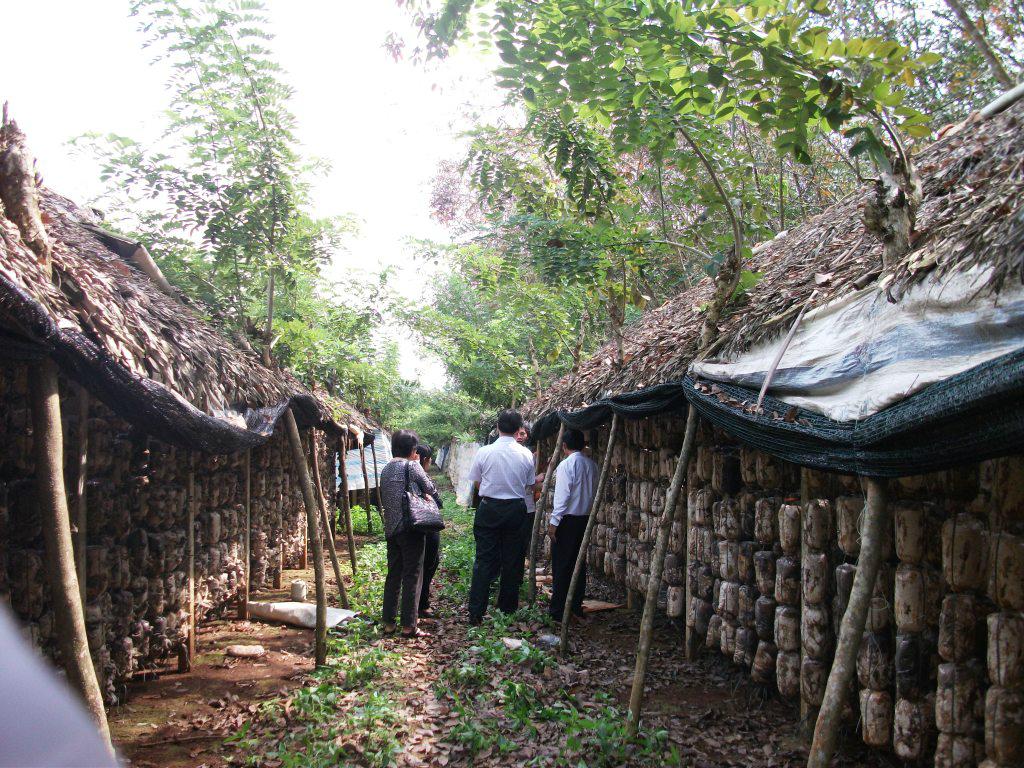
{"x": 498, "y": 528}
{"x": 405, "y": 574}
{"x": 431, "y": 559}
{"x": 564, "y": 551}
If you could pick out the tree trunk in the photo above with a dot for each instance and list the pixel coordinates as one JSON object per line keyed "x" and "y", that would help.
{"x": 657, "y": 567}
{"x": 268, "y": 328}
{"x": 325, "y": 521}
{"x": 538, "y": 515}
{"x": 595, "y": 508}
{"x": 852, "y": 628}
{"x": 69, "y": 616}
{"x": 346, "y": 508}
{"x": 981, "y": 43}
{"x": 312, "y": 513}
{"x": 366, "y": 485}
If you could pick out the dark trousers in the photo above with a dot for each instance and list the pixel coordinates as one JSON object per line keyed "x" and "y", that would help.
{"x": 499, "y": 528}
{"x": 431, "y": 559}
{"x": 564, "y": 551}
{"x": 405, "y": 573}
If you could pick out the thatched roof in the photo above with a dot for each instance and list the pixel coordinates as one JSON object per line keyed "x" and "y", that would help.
{"x": 146, "y": 353}
{"x": 972, "y": 213}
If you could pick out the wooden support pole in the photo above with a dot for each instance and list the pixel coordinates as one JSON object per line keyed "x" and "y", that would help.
{"x": 531, "y": 587}
{"x": 324, "y": 521}
{"x": 81, "y": 512}
{"x": 643, "y": 651}
{"x": 304, "y": 561}
{"x": 595, "y": 508}
{"x": 243, "y": 602}
{"x": 65, "y": 595}
{"x": 346, "y": 507}
{"x": 191, "y": 534}
{"x": 876, "y": 522}
{"x": 312, "y": 514}
{"x": 376, "y": 477}
{"x": 366, "y": 484}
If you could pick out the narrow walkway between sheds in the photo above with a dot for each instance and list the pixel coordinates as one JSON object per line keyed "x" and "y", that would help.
{"x": 465, "y": 696}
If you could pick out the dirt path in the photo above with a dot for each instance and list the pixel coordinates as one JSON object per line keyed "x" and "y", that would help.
{"x": 484, "y": 696}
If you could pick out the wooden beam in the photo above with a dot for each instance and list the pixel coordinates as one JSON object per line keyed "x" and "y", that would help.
{"x": 312, "y": 513}
{"x": 376, "y": 477}
{"x": 595, "y": 508}
{"x": 531, "y": 588}
{"x": 643, "y": 651}
{"x": 324, "y": 522}
{"x": 65, "y": 595}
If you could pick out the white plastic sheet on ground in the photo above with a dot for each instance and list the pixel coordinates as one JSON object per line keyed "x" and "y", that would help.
{"x": 861, "y": 353}
{"x": 297, "y": 614}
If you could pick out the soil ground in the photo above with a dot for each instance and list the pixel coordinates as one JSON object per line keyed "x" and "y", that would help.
{"x": 459, "y": 697}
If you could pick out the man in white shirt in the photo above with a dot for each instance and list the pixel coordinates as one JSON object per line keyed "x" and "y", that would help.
{"x": 575, "y": 486}
{"x": 504, "y": 470}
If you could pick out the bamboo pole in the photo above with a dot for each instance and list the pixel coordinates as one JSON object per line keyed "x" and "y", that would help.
{"x": 657, "y": 566}
{"x": 346, "y": 507}
{"x": 191, "y": 533}
{"x": 65, "y": 595}
{"x": 243, "y": 603}
{"x": 81, "y": 539}
{"x": 852, "y": 627}
{"x": 309, "y": 499}
{"x": 325, "y": 522}
{"x": 366, "y": 482}
{"x": 595, "y": 508}
{"x": 531, "y": 588}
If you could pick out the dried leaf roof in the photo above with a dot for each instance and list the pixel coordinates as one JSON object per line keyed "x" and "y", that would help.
{"x": 149, "y": 355}
{"x": 972, "y": 213}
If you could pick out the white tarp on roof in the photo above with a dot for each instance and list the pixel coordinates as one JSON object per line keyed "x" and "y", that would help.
{"x": 861, "y": 353}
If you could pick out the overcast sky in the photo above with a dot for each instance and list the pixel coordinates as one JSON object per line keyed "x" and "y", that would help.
{"x": 383, "y": 126}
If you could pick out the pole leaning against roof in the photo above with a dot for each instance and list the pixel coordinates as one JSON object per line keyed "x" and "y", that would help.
{"x": 531, "y": 588}
{"x": 876, "y": 519}
{"x": 312, "y": 514}
{"x": 324, "y": 519}
{"x": 48, "y": 445}
{"x": 643, "y": 652}
{"x": 581, "y": 558}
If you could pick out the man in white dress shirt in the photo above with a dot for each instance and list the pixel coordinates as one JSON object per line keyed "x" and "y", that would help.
{"x": 504, "y": 470}
{"x": 575, "y": 486}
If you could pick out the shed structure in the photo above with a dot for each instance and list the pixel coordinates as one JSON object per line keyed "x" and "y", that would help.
{"x": 174, "y": 464}
{"x": 762, "y": 557}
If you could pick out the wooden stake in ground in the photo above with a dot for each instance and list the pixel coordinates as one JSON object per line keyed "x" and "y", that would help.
{"x": 643, "y": 651}
{"x": 876, "y": 521}
{"x": 312, "y": 514}
{"x": 595, "y": 508}
{"x": 190, "y": 522}
{"x": 366, "y": 484}
{"x": 325, "y": 522}
{"x": 538, "y": 515}
{"x": 65, "y": 596}
{"x": 81, "y": 513}
{"x": 376, "y": 476}
{"x": 346, "y": 508}
{"x": 243, "y": 601}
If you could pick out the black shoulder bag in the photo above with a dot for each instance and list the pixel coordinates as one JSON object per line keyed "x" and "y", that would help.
{"x": 420, "y": 512}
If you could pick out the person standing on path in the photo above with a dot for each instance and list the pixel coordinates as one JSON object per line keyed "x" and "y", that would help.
{"x": 405, "y": 547}
{"x": 575, "y": 486}
{"x": 432, "y": 542}
{"x": 504, "y": 471}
